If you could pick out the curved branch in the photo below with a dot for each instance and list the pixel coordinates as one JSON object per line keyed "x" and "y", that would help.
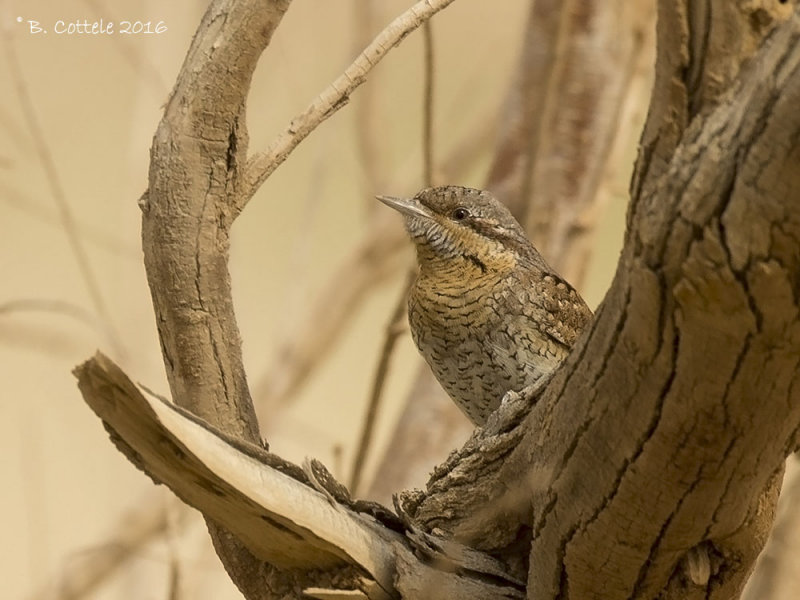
{"x": 195, "y": 169}
{"x": 199, "y": 180}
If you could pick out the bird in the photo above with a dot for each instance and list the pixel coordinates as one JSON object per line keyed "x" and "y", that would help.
{"x": 486, "y": 311}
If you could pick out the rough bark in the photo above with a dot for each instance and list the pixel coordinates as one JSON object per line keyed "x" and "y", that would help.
{"x": 648, "y": 466}
{"x": 661, "y": 437}
{"x": 196, "y": 164}
{"x": 701, "y": 47}
{"x": 200, "y": 178}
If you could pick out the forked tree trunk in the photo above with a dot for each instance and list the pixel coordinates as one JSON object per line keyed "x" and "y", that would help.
{"x": 648, "y": 467}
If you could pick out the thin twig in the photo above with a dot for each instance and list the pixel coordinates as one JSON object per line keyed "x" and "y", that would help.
{"x": 261, "y": 165}
{"x": 60, "y": 307}
{"x": 57, "y": 190}
{"x": 368, "y": 120}
{"x": 427, "y": 106}
{"x": 373, "y": 259}
{"x": 393, "y": 330}
{"x": 139, "y": 526}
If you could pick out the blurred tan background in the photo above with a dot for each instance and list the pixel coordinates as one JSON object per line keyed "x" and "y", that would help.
{"x": 95, "y": 101}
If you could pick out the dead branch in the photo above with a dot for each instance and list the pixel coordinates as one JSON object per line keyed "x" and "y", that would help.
{"x": 287, "y": 517}
{"x": 642, "y": 450}
{"x": 144, "y": 522}
{"x": 336, "y": 95}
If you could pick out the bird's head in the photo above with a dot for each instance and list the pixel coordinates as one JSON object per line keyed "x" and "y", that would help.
{"x": 453, "y": 223}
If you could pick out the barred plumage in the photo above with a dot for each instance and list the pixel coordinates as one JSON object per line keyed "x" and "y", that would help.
{"x": 486, "y": 311}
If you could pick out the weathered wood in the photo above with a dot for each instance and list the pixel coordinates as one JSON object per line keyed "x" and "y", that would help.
{"x": 666, "y": 428}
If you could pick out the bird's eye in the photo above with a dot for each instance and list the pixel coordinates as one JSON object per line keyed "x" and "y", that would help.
{"x": 460, "y": 213}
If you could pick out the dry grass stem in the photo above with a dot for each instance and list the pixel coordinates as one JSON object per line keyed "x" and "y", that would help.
{"x": 393, "y": 330}
{"x": 372, "y": 261}
{"x": 53, "y": 179}
{"x": 138, "y": 527}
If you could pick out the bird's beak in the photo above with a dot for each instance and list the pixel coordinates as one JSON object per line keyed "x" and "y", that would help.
{"x": 407, "y": 206}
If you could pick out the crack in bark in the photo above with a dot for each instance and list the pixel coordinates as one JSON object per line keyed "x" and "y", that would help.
{"x": 725, "y": 490}
{"x": 609, "y": 349}
{"x": 537, "y": 528}
{"x": 699, "y": 33}
{"x": 563, "y": 580}
{"x": 655, "y": 546}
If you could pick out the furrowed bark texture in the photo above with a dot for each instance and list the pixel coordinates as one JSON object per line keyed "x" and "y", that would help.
{"x": 652, "y": 459}
{"x": 701, "y": 47}
{"x": 196, "y": 163}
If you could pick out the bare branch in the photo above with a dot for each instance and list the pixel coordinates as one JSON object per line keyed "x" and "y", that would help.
{"x": 196, "y": 165}
{"x": 261, "y": 165}
{"x": 393, "y": 330}
{"x": 138, "y": 526}
{"x": 427, "y": 106}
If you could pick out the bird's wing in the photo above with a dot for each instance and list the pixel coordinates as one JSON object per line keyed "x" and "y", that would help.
{"x": 550, "y": 306}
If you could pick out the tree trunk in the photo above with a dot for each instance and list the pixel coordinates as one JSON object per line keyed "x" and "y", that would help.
{"x": 650, "y": 463}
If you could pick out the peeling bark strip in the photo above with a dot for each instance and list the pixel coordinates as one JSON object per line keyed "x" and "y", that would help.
{"x": 665, "y": 430}
{"x": 272, "y": 508}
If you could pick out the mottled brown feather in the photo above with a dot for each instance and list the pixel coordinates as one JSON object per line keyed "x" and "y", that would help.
{"x": 486, "y": 311}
